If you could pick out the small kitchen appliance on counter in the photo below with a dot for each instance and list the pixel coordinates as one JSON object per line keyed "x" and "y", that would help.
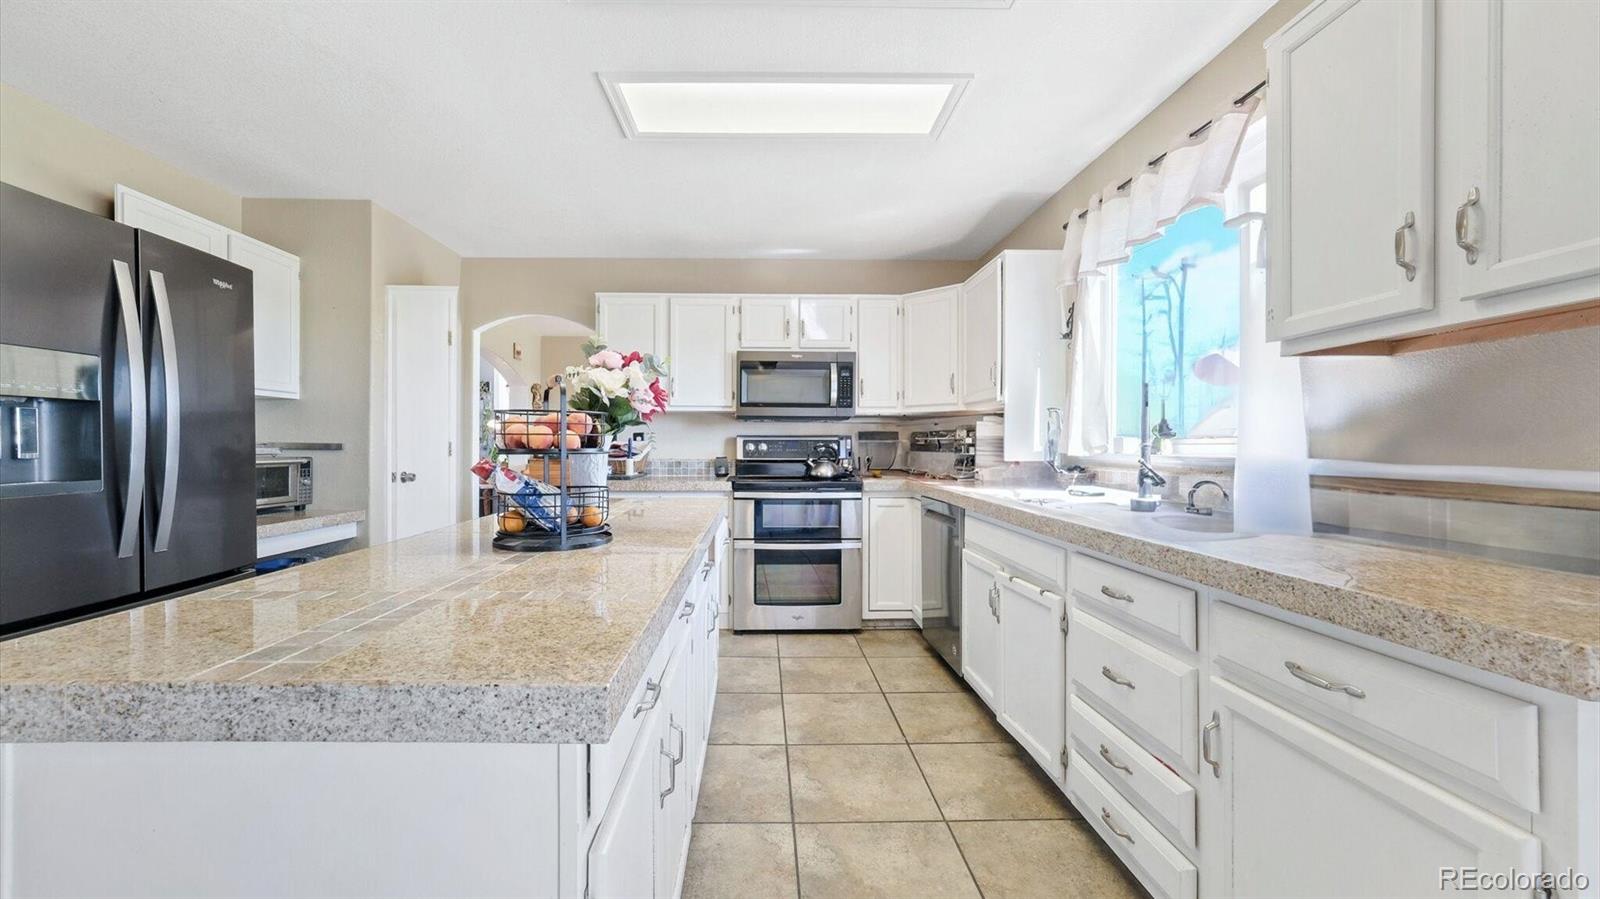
{"x": 282, "y": 482}
{"x": 879, "y": 449}
{"x": 949, "y": 453}
{"x": 797, "y": 537}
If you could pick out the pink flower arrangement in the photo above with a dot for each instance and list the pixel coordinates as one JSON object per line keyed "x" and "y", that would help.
{"x": 625, "y": 387}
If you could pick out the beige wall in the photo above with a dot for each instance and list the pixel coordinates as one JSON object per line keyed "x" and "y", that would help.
{"x": 1240, "y": 66}
{"x": 556, "y": 354}
{"x": 333, "y": 239}
{"x": 523, "y": 332}
{"x": 44, "y": 150}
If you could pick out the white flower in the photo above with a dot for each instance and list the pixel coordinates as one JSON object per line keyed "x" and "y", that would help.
{"x": 637, "y": 379}
{"x": 608, "y": 383}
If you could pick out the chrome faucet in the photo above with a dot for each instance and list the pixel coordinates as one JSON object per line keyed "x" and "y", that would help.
{"x": 1193, "y": 509}
{"x": 1052, "y": 438}
{"x": 1147, "y": 500}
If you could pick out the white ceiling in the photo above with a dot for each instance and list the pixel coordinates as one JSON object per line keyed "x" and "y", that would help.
{"x": 485, "y": 124}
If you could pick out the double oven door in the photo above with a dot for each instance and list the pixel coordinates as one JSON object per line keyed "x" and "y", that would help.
{"x": 797, "y": 561}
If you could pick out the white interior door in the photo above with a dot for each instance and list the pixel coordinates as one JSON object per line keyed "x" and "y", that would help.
{"x": 422, "y": 378}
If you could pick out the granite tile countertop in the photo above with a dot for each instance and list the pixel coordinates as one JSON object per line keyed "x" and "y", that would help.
{"x": 649, "y": 484}
{"x": 435, "y": 638}
{"x": 276, "y": 524}
{"x": 1532, "y": 625}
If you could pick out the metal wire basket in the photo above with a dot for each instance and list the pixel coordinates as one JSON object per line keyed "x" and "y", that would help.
{"x": 557, "y": 498}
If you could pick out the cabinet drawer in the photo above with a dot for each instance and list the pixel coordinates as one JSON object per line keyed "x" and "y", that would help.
{"x": 606, "y": 760}
{"x": 1043, "y": 563}
{"x": 1486, "y": 738}
{"x": 1155, "y": 692}
{"x": 1163, "y": 870}
{"x": 1166, "y": 607}
{"x": 1133, "y": 771}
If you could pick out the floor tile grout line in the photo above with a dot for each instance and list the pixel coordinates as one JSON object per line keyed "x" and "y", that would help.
{"x": 788, "y": 781}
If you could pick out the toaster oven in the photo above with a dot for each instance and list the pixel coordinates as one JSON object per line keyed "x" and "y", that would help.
{"x": 283, "y": 482}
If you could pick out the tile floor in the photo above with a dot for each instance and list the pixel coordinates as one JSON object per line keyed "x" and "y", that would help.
{"x": 859, "y": 766}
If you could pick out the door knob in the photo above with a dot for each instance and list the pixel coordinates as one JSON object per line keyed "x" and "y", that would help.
{"x": 407, "y": 477}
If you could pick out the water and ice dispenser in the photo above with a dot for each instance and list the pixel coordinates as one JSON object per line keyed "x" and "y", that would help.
{"x": 49, "y": 422}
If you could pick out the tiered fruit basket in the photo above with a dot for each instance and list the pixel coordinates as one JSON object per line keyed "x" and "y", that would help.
{"x": 558, "y": 499}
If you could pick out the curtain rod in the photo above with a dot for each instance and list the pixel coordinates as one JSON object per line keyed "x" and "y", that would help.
{"x": 1192, "y": 135}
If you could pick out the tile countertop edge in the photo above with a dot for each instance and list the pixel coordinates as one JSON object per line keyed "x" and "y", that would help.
{"x": 1522, "y": 654}
{"x": 382, "y": 712}
{"x": 277, "y": 524}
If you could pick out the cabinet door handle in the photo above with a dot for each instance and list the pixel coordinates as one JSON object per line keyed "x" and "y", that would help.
{"x": 1115, "y": 678}
{"x": 1113, "y": 593}
{"x": 1469, "y": 246}
{"x": 672, "y": 773}
{"x": 952, "y": 383}
{"x": 786, "y": 327}
{"x": 688, "y": 610}
{"x": 1212, "y": 726}
{"x": 1105, "y": 815}
{"x": 652, "y": 695}
{"x": 802, "y": 329}
{"x": 1105, "y": 753}
{"x": 1317, "y": 680}
{"x": 676, "y": 759}
{"x": 1401, "y": 258}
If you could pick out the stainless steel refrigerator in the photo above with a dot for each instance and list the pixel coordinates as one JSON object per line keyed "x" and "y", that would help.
{"x": 127, "y": 414}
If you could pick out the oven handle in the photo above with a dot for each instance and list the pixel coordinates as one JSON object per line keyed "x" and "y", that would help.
{"x": 840, "y": 496}
{"x": 753, "y": 545}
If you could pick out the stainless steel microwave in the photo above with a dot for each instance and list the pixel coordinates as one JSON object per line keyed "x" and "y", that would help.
{"x": 796, "y": 386}
{"x": 283, "y": 482}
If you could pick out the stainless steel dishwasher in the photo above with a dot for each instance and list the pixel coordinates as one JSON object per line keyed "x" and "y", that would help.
{"x": 941, "y": 579}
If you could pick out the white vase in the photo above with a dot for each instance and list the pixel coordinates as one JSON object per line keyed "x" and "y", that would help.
{"x": 588, "y": 469}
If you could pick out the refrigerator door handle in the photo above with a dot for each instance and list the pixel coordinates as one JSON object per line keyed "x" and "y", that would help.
{"x": 174, "y": 406}
{"x": 139, "y": 412}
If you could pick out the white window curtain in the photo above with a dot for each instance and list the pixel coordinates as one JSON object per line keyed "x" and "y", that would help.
{"x": 1193, "y": 174}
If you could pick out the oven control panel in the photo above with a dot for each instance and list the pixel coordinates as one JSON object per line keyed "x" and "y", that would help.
{"x": 792, "y": 448}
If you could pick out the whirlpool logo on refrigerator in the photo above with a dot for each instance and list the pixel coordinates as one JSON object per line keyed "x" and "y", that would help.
{"x": 222, "y": 284}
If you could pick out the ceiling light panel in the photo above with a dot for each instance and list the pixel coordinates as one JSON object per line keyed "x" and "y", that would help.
{"x": 689, "y": 105}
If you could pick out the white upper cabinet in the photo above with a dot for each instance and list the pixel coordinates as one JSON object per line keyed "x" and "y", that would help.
{"x": 275, "y": 280}
{"x": 703, "y": 338}
{"x": 1373, "y": 105}
{"x": 276, "y": 298}
{"x": 1526, "y": 190}
{"x": 632, "y": 321}
{"x": 147, "y": 213}
{"x": 767, "y": 323}
{"x": 827, "y": 323}
{"x": 1350, "y": 166}
{"x": 878, "y": 356}
{"x": 980, "y": 338}
{"x": 931, "y": 349}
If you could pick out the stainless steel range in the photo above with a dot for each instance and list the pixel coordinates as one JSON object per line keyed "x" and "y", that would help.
{"x": 797, "y": 528}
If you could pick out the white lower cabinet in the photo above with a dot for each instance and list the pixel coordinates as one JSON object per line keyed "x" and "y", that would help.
{"x": 894, "y": 555}
{"x": 1032, "y": 680}
{"x": 980, "y": 626}
{"x": 1158, "y": 864}
{"x": 640, "y": 846}
{"x": 1301, "y": 812}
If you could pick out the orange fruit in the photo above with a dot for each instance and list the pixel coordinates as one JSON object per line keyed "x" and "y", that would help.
{"x": 540, "y": 438}
{"x": 512, "y": 522}
{"x": 514, "y": 434}
{"x": 592, "y": 517}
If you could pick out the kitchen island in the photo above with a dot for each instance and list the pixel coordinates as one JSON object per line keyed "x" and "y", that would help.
{"x": 429, "y": 716}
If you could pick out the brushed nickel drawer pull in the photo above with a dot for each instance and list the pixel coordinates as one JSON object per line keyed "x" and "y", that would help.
{"x": 1105, "y": 753}
{"x": 1319, "y": 681}
{"x": 688, "y": 610}
{"x": 1212, "y": 726}
{"x": 1469, "y": 246}
{"x": 652, "y": 695}
{"x": 1105, "y": 815}
{"x": 1400, "y": 256}
{"x": 1115, "y": 678}
{"x": 1115, "y": 594}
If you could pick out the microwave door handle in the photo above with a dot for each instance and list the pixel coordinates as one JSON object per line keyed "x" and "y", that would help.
{"x": 833, "y": 384}
{"x": 138, "y": 409}
{"x": 174, "y": 406}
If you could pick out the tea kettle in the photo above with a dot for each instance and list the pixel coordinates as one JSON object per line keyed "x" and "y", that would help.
{"x": 822, "y": 469}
